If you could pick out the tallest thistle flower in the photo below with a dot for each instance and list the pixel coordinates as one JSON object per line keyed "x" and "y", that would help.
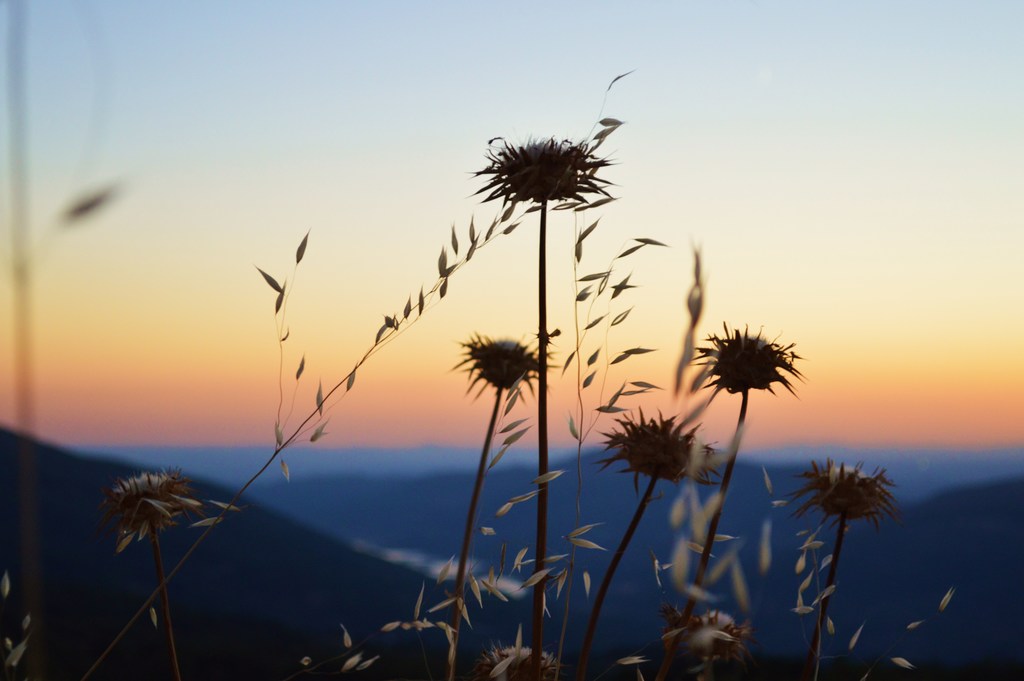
{"x": 538, "y": 171}
{"x": 543, "y": 170}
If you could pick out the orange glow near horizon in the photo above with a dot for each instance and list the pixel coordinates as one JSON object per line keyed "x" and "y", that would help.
{"x": 862, "y": 206}
{"x": 406, "y": 403}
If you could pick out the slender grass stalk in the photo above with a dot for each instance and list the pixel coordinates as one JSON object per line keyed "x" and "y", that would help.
{"x": 579, "y": 477}
{"x": 813, "y": 656}
{"x": 467, "y": 536}
{"x": 542, "y": 442}
{"x": 595, "y": 613}
{"x": 165, "y": 603}
{"x": 342, "y": 388}
{"x": 672, "y": 645}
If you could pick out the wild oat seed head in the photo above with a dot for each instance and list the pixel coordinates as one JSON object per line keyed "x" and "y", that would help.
{"x": 542, "y": 170}
{"x": 835, "y": 489}
{"x": 739, "y": 362}
{"x": 499, "y": 363}
{"x": 519, "y": 669}
{"x": 715, "y": 635}
{"x": 658, "y": 448}
{"x": 145, "y": 504}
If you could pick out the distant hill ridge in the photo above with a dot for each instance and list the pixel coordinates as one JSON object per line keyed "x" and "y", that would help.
{"x": 265, "y": 573}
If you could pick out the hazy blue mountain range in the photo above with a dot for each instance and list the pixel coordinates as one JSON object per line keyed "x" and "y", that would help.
{"x": 268, "y": 589}
{"x": 968, "y": 536}
{"x": 920, "y": 472}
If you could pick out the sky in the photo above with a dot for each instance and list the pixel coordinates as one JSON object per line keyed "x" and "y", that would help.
{"x": 851, "y": 173}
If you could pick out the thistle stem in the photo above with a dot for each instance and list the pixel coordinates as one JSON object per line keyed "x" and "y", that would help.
{"x": 595, "y": 613}
{"x": 460, "y": 578}
{"x": 165, "y": 603}
{"x": 813, "y": 658}
{"x": 672, "y": 645}
{"x": 542, "y": 442}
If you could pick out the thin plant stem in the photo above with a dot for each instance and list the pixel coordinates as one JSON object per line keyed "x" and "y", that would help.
{"x": 595, "y": 613}
{"x": 165, "y": 603}
{"x": 542, "y": 442}
{"x": 579, "y": 473}
{"x": 672, "y": 645}
{"x": 813, "y": 658}
{"x": 467, "y": 536}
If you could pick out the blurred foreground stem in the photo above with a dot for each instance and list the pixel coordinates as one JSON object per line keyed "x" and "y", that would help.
{"x": 24, "y": 398}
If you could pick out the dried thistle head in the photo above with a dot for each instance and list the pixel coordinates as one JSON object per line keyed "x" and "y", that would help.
{"x": 837, "y": 489}
{"x": 658, "y": 448}
{"x": 518, "y": 665}
{"x": 541, "y": 170}
{"x": 715, "y": 635}
{"x": 739, "y": 361}
{"x": 499, "y": 363}
{"x": 145, "y": 504}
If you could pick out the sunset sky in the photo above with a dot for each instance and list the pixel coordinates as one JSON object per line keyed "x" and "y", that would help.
{"x": 852, "y": 172}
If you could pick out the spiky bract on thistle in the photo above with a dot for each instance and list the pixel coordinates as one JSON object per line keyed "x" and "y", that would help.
{"x": 738, "y": 362}
{"x": 513, "y": 664}
{"x": 541, "y": 170}
{"x": 498, "y": 363}
{"x": 837, "y": 489}
{"x": 145, "y": 504}
{"x": 715, "y": 635}
{"x": 658, "y": 448}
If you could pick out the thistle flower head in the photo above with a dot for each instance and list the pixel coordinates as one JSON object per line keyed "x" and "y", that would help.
{"x": 837, "y": 489}
{"x": 498, "y": 363}
{"x": 541, "y": 170}
{"x": 739, "y": 361}
{"x": 518, "y": 665}
{"x": 715, "y": 635}
{"x": 145, "y": 504}
{"x": 658, "y": 448}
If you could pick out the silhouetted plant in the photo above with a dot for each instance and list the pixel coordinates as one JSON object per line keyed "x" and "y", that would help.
{"x": 142, "y": 507}
{"x": 841, "y": 494}
{"x": 557, "y": 175}
{"x": 513, "y": 663}
{"x": 736, "y": 362}
{"x": 540, "y": 171}
{"x": 502, "y": 365}
{"x": 710, "y": 637}
{"x": 661, "y": 450}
